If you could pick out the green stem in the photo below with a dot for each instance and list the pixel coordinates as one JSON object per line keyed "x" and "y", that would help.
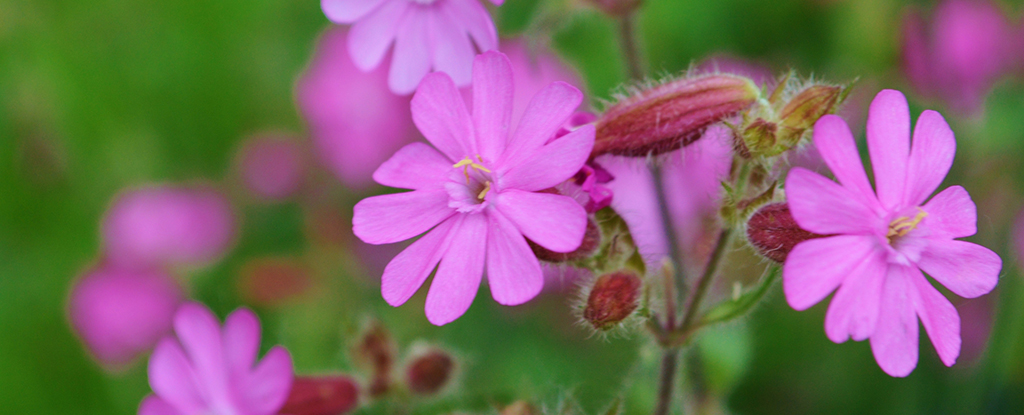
{"x": 724, "y": 241}
{"x": 668, "y": 375}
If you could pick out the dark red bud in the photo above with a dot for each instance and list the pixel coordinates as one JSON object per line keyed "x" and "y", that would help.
{"x": 375, "y": 353}
{"x": 612, "y": 299}
{"x": 428, "y": 373}
{"x": 591, "y": 241}
{"x": 669, "y": 116}
{"x": 328, "y": 395}
{"x": 774, "y": 232}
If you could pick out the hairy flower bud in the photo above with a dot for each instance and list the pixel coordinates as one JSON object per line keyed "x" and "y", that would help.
{"x": 591, "y": 241}
{"x": 773, "y": 130}
{"x": 809, "y": 105}
{"x": 375, "y": 353}
{"x": 327, "y": 395}
{"x": 774, "y": 232}
{"x": 612, "y": 299}
{"x": 669, "y": 116}
{"x": 429, "y": 372}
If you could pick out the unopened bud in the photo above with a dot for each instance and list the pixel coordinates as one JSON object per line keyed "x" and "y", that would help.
{"x": 328, "y": 395}
{"x": 375, "y": 352}
{"x": 612, "y": 299}
{"x": 520, "y": 408}
{"x": 770, "y": 133}
{"x": 669, "y": 116}
{"x": 809, "y": 105}
{"x": 616, "y": 8}
{"x": 591, "y": 241}
{"x": 774, "y": 232}
{"x": 429, "y": 372}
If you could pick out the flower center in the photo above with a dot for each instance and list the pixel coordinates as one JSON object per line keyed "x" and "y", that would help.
{"x": 466, "y": 164}
{"x": 902, "y": 225}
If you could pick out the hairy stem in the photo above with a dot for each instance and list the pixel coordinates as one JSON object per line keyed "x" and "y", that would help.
{"x": 668, "y": 376}
{"x": 724, "y": 240}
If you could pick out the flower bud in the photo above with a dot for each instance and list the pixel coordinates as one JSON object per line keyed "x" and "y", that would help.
{"x": 591, "y": 241}
{"x": 771, "y": 133}
{"x": 375, "y": 353}
{"x": 612, "y": 299}
{"x": 429, "y": 372}
{"x": 669, "y": 116}
{"x": 328, "y": 395}
{"x": 809, "y": 105}
{"x": 774, "y": 232}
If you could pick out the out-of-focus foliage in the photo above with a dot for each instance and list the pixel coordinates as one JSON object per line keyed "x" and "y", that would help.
{"x": 102, "y": 95}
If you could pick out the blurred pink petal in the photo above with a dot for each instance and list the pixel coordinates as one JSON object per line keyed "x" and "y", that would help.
{"x": 121, "y": 314}
{"x": 271, "y": 166}
{"x": 355, "y": 123}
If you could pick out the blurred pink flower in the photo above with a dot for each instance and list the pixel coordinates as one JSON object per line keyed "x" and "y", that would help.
{"x": 354, "y": 122}
{"x": 427, "y": 34}
{"x": 692, "y": 178}
{"x": 883, "y": 240}
{"x": 167, "y": 225}
{"x": 271, "y": 166}
{"x": 479, "y": 193}
{"x": 959, "y": 54}
{"x": 209, "y": 370}
{"x": 120, "y": 314}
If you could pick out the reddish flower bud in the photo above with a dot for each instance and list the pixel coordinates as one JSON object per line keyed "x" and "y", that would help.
{"x": 774, "y": 232}
{"x": 669, "y": 116}
{"x": 375, "y": 353}
{"x": 329, "y": 395}
{"x": 591, "y": 241}
{"x": 429, "y": 372}
{"x": 612, "y": 299}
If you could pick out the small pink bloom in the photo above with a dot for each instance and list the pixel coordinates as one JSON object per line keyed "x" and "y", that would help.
{"x": 427, "y": 34}
{"x": 167, "y": 225}
{"x": 121, "y": 314}
{"x": 210, "y": 370}
{"x": 961, "y": 54}
{"x": 478, "y": 195}
{"x": 354, "y": 122}
{"x": 270, "y": 166}
{"x": 883, "y": 238}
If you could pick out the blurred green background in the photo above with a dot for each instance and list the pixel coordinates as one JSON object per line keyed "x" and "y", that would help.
{"x": 102, "y": 95}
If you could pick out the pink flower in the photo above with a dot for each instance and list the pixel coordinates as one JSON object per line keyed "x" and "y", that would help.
{"x": 479, "y": 193}
{"x": 166, "y": 225}
{"x": 427, "y": 34}
{"x": 209, "y": 370}
{"x": 354, "y": 122}
{"x": 270, "y": 166}
{"x": 961, "y": 55}
{"x": 121, "y": 314}
{"x": 883, "y": 239}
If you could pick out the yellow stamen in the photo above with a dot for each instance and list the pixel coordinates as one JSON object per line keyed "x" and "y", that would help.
{"x": 483, "y": 193}
{"x": 467, "y": 162}
{"x": 903, "y": 225}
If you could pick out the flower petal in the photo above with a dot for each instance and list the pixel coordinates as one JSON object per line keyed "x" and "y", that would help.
{"x": 370, "y": 38}
{"x": 267, "y": 387}
{"x": 889, "y": 145}
{"x": 513, "y": 272}
{"x": 153, "y": 405}
{"x": 855, "y": 307}
{"x": 348, "y": 11}
{"x": 458, "y": 277}
{"x": 544, "y": 116}
{"x": 396, "y": 217}
{"x": 441, "y": 115}
{"x": 894, "y": 342}
{"x": 553, "y": 221}
{"x": 492, "y": 102}
{"x": 410, "y": 268}
{"x": 554, "y": 163}
{"x": 940, "y": 319}
{"x": 822, "y": 206}
{"x": 172, "y": 378}
{"x": 415, "y": 166}
{"x": 199, "y": 332}
{"x": 930, "y": 157}
{"x": 951, "y": 214}
{"x": 475, "y": 19}
{"x": 451, "y": 50}
{"x": 968, "y": 270}
{"x": 814, "y": 268}
{"x": 241, "y": 337}
{"x": 411, "y": 59}
{"x": 835, "y": 142}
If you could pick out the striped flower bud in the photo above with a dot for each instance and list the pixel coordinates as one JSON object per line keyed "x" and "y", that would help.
{"x": 774, "y": 233}
{"x": 666, "y": 117}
